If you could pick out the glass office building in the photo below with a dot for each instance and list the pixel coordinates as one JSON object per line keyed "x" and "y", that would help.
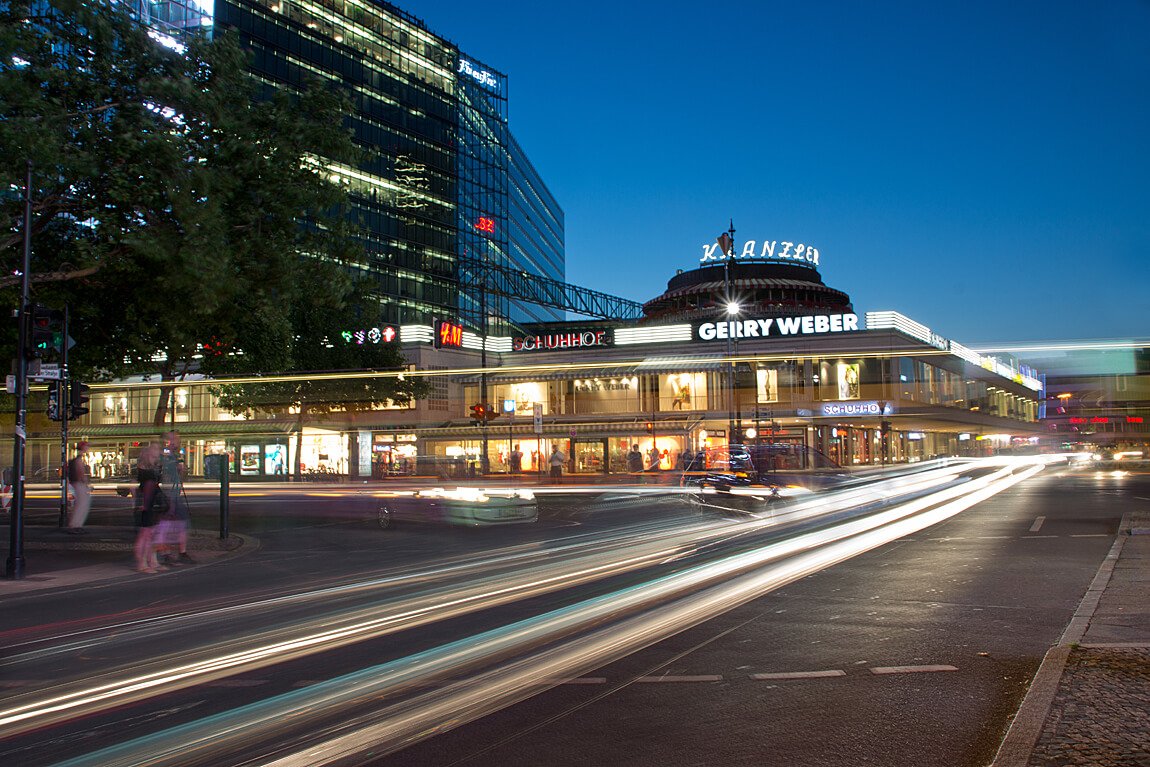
{"x": 446, "y": 198}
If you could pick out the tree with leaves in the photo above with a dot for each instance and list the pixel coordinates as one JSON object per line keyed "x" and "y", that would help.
{"x": 174, "y": 203}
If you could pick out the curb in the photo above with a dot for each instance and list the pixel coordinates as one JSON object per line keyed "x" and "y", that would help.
{"x": 99, "y": 574}
{"x": 1026, "y": 727}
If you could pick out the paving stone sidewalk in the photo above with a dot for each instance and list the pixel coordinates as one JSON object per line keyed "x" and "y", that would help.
{"x": 1089, "y": 704}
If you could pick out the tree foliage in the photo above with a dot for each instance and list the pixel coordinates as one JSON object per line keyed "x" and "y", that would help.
{"x": 191, "y": 200}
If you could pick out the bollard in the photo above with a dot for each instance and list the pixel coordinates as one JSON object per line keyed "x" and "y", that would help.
{"x": 217, "y": 467}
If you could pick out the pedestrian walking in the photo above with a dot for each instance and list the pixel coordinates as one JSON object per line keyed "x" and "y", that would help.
{"x": 557, "y": 461}
{"x": 80, "y": 488}
{"x": 515, "y": 463}
{"x": 173, "y": 535}
{"x": 149, "y": 504}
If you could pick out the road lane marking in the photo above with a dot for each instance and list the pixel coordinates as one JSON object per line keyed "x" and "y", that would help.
{"x": 236, "y": 683}
{"x": 587, "y": 680}
{"x": 1035, "y": 537}
{"x": 683, "y": 678}
{"x": 910, "y": 669}
{"x": 797, "y": 675}
{"x": 1092, "y": 535}
{"x": 1037, "y": 524}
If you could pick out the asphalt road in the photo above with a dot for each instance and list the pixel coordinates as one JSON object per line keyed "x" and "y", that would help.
{"x": 914, "y": 653}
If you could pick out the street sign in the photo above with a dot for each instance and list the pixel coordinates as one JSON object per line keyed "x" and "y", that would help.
{"x": 47, "y": 372}
{"x": 537, "y": 417}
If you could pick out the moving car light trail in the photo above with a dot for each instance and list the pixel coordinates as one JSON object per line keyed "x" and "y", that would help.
{"x": 332, "y": 722}
{"x": 563, "y": 568}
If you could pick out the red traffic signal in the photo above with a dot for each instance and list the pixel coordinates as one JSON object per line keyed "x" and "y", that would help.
{"x": 478, "y": 413}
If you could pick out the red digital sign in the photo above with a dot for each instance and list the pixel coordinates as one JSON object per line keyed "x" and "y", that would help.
{"x": 1077, "y": 420}
{"x": 448, "y": 334}
{"x": 485, "y": 224}
{"x": 1133, "y": 419}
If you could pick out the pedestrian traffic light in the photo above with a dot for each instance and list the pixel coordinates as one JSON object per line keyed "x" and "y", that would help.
{"x": 78, "y": 400}
{"x": 46, "y": 336}
{"x": 478, "y": 414}
{"x": 55, "y": 412}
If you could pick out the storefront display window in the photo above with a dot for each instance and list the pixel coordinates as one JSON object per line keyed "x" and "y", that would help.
{"x": 249, "y": 460}
{"x": 275, "y": 460}
{"x": 766, "y": 386}
{"x": 847, "y": 376}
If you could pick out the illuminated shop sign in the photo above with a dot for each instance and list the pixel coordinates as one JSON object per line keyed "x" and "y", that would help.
{"x": 367, "y": 336}
{"x": 481, "y": 76}
{"x": 770, "y": 250}
{"x": 485, "y": 224}
{"x": 778, "y": 326}
{"x": 855, "y": 408}
{"x": 448, "y": 335}
{"x": 552, "y": 341}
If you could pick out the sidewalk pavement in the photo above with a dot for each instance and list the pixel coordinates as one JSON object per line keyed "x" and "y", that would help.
{"x": 1089, "y": 703}
{"x": 54, "y": 558}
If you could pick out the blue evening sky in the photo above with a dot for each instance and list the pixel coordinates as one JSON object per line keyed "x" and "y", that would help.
{"x": 982, "y": 167}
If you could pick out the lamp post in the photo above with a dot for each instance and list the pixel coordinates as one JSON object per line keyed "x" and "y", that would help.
{"x": 727, "y": 240}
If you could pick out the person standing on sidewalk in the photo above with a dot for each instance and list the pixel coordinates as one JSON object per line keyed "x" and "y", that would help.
{"x": 557, "y": 461}
{"x": 172, "y": 471}
{"x": 80, "y": 488}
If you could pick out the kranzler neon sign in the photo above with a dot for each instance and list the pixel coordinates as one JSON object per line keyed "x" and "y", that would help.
{"x": 769, "y": 250}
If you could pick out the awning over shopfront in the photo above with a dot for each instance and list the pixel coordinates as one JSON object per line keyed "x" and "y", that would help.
{"x": 697, "y": 363}
{"x": 221, "y": 429}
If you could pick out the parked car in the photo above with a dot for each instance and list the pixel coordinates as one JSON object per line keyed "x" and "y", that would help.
{"x": 463, "y": 506}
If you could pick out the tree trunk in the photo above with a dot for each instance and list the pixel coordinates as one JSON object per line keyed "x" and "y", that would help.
{"x": 299, "y": 442}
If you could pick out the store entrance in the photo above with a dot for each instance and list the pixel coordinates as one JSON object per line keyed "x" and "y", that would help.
{"x": 590, "y": 456}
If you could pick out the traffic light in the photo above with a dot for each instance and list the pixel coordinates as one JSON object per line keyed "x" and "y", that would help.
{"x": 78, "y": 400}
{"x": 650, "y": 428}
{"x": 55, "y": 412}
{"x": 490, "y": 412}
{"x": 46, "y": 336}
{"x": 478, "y": 414}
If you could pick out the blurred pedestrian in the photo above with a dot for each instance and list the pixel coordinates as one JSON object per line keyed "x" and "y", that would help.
{"x": 654, "y": 456}
{"x": 515, "y": 462}
{"x": 635, "y": 460}
{"x": 80, "y": 488}
{"x": 173, "y": 537}
{"x": 149, "y": 505}
{"x": 556, "y": 462}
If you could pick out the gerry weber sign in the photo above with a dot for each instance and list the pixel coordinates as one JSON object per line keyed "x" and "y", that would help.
{"x": 773, "y": 250}
{"x": 810, "y": 324}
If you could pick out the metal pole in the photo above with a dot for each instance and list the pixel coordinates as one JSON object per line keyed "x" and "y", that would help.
{"x": 225, "y": 471}
{"x": 64, "y": 403}
{"x": 14, "y": 566}
{"x": 730, "y": 362}
{"x": 483, "y": 467}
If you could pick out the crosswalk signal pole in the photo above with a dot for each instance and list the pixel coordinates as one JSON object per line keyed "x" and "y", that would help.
{"x": 14, "y": 566}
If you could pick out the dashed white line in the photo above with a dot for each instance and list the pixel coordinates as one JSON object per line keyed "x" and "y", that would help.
{"x": 798, "y": 675}
{"x": 684, "y": 678}
{"x": 1092, "y": 535}
{"x": 1033, "y": 537}
{"x": 911, "y": 669}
